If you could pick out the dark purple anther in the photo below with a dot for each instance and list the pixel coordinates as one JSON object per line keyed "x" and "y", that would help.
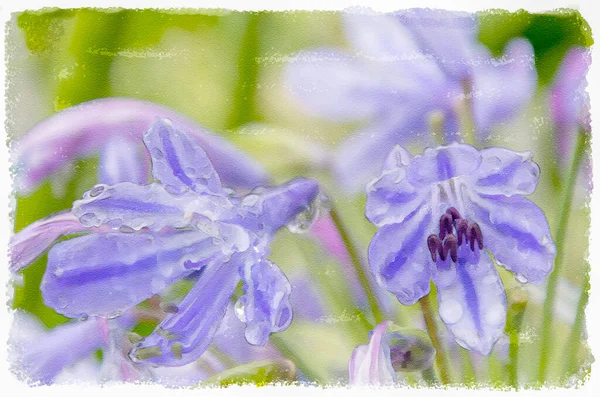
{"x": 451, "y": 246}
{"x": 462, "y": 227}
{"x": 446, "y": 223}
{"x": 454, "y": 213}
{"x": 435, "y": 246}
{"x": 474, "y": 234}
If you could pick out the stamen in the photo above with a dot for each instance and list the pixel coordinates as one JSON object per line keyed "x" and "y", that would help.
{"x": 148, "y": 352}
{"x": 445, "y": 225}
{"x": 435, "y": 245}
{"x": 474, "y": 234}
{"x": 454, "y": 213}
{"x": 177, "y": 350}
{"x": 450, "y": 245}
{"x": 462, "y": 227}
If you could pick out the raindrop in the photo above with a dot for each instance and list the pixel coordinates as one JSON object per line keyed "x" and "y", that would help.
{"x": 168, "y": 307}
{"x": 87, "y": 219}
{"x": 62, "y": 302}
{"x": 451, "y": 311}
{"x": 126, "y": 229}
{"x": 240, "y": 311}
{"x": 84, "y": 317}
{"x": 97, "y": 190}
{"x": 495, "y": 315}
{"x": 520, "y": 278}
{"x": 157, "y": 153}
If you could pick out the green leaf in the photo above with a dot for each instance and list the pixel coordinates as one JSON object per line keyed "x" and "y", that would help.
{"x": 259, "y": 373}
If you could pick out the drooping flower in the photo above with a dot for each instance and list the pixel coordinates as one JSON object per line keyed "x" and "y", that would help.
{"x": 185, "y": 223}
{"x": 112, "y": 129}
{"x": 406, "y": 67}
{"x": 391, "y": 349}
{"x": 569, "y": 101}
{"x": 439, "y": 214}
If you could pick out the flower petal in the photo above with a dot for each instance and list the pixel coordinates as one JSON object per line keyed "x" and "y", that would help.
{"x": 505, "y": 172}
{"x": 442, "y": 163}
{"x": 503, "y": 86}
{"x": 83, "y": 130}
{"x": 516, "y": 231}
{"x": 122, "y": 160}
{"x": 178, "y": 162}
{"x": 471, "y": 300}
{"x": 333, "y": 84}
{"x": 40, "y": 358}
{"x": 182, "y": 337}
{"x": 265, "y": 306}
{"x": 391, "y": 197}
{"x": 399, "y": 256}
{"x": 370, "y": 364}
{"x": 32, "y": 241}
{"x": 132, "y": 206}
{"x": 123, "y": 269}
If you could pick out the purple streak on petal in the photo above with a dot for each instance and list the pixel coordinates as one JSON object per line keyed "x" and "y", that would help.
{"x": 182, "y": 337}
{"x": 505, "y": 172}
{"x": 282, "y": 203}
{"x": 502, "y": 87}
{"x": 34, "y": 240}
{"x": 472, "y": 302}
{"x": 178, "y": 162}
{"x": 569, "y": 100}
{"x": 40, "y": 358}
{"x": 400, "y": 259}
{"x": 123, "y": 269}
{"x": 370, "y": 364}
{"x": 122, "y": 160}
{"x": 265, "y": 303}
{"x": 516, "y": 231}
{"x": 133, "y": 206}
{"x": 85, "y": 129}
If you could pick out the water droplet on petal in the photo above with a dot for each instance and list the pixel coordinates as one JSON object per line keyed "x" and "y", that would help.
{"x": 83, "y": 317}
{"x": 157, "y": 153}
{"x": 451, "y": 311}
{"x": 89, "y": 219}
{"x": 240, "y": 311}
{"x": 495, "y": 315}
{"x": 62, "y": 302}
{"x": 304, "y": 220}
{"x": 97, "y": 190}
{"x": 126, "y": 229}
{"x": 520, "y": 278}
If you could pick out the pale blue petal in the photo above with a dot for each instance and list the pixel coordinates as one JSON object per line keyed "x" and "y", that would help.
{"x": 443, "y": 163}
{"x": 122, "y": 160}
{"x": 265, "y": 306}
{"x": 106, "y": 274}
{"x": 182, "y": 337}
{"x": 471, "y": 300}
{"x": 178, "y": 162}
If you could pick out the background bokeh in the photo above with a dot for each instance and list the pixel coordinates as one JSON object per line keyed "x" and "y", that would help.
{"x": 224, "y": 69}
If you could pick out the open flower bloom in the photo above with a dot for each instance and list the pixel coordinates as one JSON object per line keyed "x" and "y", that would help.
{"x": 146, "y": 237}
{"x": 569, "y": 101}
{"x": 406, "y": 67}
{"x": 439, "y": 214}
{"x": 112, "y": 129}
{"x": 391, "y": 349}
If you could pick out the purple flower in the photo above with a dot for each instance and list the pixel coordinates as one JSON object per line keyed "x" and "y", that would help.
{"x": 404, "y": 68}
{"x": 112, "y": 128}
{"x": 569, "y": 101}
{"x": 186, "y": 224}
{"x": 439, "y": 214}
{"x": 391, "y": 349}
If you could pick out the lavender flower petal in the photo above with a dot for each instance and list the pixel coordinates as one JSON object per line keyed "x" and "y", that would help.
{"x": 121, "y": 160}
{"x": 400, "y": 259}
{"x": 178, "y": 162}
{"x": 443, "y": 163}
{"x": 265, "y": 306}
{"x": 503, "y": 86}
{"x": 517, "y": 233}
{"x": 85, "y": 129}
{"x": 123, "y": 269}
{"x": 35, "y": 239}
{"x": 370, "y": 364}
{"x": 182, "y": 337}
{"x": 505, "y": 172}
{"x": 471, "y": 300}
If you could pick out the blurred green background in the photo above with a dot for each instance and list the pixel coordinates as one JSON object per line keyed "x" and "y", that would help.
{"x": 224, "y": 70}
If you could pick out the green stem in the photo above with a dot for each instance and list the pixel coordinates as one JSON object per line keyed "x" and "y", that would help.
{"x": 429, "y": 377}
{"x": 433, "y": 334}
{"x": 464, "y": 113}
{"x": 561, "y": 230}
{"x": 469, "y": 376}
{"x": 289, "y": 354}
{"x": 358, "y": 266}
{"x": 572, "y": 347}
{"x": 518, "y": 303}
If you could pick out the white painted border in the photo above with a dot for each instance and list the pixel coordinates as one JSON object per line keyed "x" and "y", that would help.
{"x": 590, "y": 11}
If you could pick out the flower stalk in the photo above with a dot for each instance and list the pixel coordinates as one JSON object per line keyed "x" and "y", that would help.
{"x": 433, "y": 334}
{"x": 561, "y": 231}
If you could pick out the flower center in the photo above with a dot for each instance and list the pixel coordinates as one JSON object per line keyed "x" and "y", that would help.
{"x": 454, "y": 230}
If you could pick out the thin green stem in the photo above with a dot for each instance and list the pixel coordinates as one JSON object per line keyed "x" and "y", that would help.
{"x": 429, "y": 377}
{"x": 561, "y": 230}
{"x": 572, "y": 347}
{"x": 469, "y": 375}
{"x": 433, "y": 334}
{"x": 518, "y": 302}
{"x": 358, "y": 266}
{"x": 464, "y": 113}
{"x": 289, "y": 354}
